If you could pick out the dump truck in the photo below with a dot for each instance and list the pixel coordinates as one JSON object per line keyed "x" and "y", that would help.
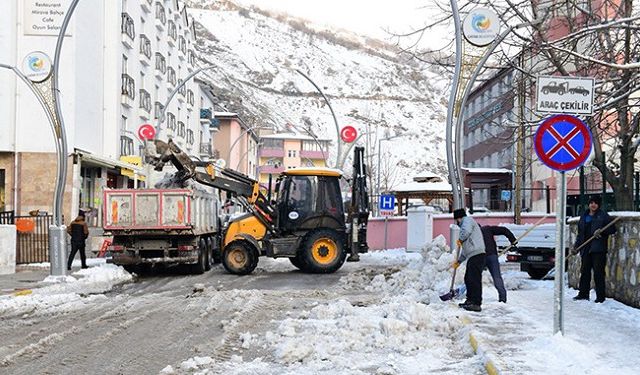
{"x": 161, "y": 226}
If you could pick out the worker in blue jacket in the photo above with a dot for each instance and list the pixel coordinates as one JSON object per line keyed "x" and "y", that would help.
{"x": 593, "y": 254}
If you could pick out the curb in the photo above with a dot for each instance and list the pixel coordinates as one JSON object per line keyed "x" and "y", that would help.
{"x": 489, "y": 363}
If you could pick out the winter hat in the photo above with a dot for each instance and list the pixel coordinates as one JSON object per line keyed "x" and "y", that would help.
{"x": 597, "y": 199}
{"x": 81, "y": 213}
{"x": 459, "y": 213}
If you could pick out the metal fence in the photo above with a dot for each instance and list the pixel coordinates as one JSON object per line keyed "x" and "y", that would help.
{"x": 7, "y": 217}
{"x": 32, "y": 242}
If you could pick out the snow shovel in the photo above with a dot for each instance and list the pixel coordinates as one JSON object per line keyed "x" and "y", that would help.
{"x": 452, "y": 292}
{"x": 552, "y": 272}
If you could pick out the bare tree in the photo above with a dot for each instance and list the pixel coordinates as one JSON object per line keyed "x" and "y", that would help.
{"x": 575, "y": 38}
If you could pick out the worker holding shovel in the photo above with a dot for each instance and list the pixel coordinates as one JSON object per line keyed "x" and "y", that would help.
{"x": 472, "y": 249}
{"x": 594, "y": 229}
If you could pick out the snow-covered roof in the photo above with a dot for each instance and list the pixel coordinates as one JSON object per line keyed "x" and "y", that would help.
{"x": 488, "y": 170}
{"x": 424, "y": 186}
{"x": 225, "y": 114}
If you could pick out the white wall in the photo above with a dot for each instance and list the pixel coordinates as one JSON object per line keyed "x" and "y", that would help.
{"x": 7, "y": 249}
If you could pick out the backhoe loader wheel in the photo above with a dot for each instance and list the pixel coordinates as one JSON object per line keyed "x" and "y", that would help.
{"x": 298, "y": 262}
{"x": 322, "y": 252}
{"x": 240, "y": 258}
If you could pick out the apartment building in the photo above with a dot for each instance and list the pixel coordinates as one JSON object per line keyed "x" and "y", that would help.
{"x": 121, "y": 59}
{"x": 236, "y": 143}
{"x": 282, "y": 151}
{"x": 489, "y": 120}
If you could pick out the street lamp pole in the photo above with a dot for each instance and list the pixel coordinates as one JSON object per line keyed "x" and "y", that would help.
{"x": 333, "y": 114}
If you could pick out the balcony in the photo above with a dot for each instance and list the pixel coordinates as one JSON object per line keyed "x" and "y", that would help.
{"x": 181, "y": 129}
{"x": 171, "y": 77}
{"x": 182, "y": 91}
{"x": 127, "y": 27}
{"x": 128, "y": 90}
{"x": 171, "y": 121}
{"x": 312, "y": 154}
{"x": 172, "y": 31}
{"x": 271, "y": 153}
{"x": 145, "y": 100}
{"x": 271, "y": 169}
{"x": 161, "y": 17}
{"x": 157, "y": 109}
{"x": 146, "y": 5}
{"x": 206, "y": 150}
{"x": 145, "y": 50}
{"x": 161, "y": 65}
{"x": 191, "y": 99}
{"x": 182, "y": 47}
{"x": 191, "y": 139}
{"x": 191, "y": 60}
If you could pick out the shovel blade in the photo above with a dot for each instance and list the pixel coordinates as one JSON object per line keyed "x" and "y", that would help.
{"x": 448, "y": 296}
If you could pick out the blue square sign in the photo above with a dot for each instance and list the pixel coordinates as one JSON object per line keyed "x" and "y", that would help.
{"x": 505, "y": 195}
{"x": 387, "y": 203}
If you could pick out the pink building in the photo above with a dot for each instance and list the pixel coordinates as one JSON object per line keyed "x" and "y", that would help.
{"x": 236, "y": 143}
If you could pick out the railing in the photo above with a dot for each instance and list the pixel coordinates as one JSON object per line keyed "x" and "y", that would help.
{"x": 157, "y": 109}
{"x": 145, "y": 100}
{"x": 206, "y": 150}
{"x": 171, "y": 121}
{"x": 191, "y": 98}
{"x": 182, "y": 45}
{"x": 171, "y": 76}
{"x": 160, "y": 14}
{"x": 272, "y": 152}
{"x": 206, "y": 114}
{"x": 191, "y": 58}
{"x": 7, "y": 217}
{"x": 190, "y": 137}
{"x": 126, "y": 145}
{"x": 181, "y": 129}
{"x": 128, "y": 86}
{"x": 145, "y": 46}
{"x": 172, "y": 31}
{"x": 182, "y": 90}
{"x": 161, "y": 63}
{"x": 32, "y": 240}
{"x": 128, "y": 26}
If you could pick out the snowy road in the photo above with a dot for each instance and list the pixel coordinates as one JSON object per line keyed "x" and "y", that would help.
{"x": 275, "y": 321}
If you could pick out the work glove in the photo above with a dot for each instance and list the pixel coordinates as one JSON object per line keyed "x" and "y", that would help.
{"x": 573, "y": 250}
{"x": 459, "y": 243}
{"x": 455, "y": 265}
{"x": 597, "y": 233}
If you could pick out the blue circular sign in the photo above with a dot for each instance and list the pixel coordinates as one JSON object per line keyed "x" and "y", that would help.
{"x": 563, "y": 142}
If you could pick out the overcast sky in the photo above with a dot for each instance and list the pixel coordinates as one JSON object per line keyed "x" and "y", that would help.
{"x": 367, "y": 17}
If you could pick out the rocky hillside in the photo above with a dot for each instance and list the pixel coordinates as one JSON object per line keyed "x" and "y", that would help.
{"x": 369, "y": 83}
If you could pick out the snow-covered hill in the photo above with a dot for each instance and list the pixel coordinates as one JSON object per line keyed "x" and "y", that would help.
{"x": 370, "y": 85}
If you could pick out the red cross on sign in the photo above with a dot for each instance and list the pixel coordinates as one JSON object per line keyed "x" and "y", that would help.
{"x": 563, "y": 142}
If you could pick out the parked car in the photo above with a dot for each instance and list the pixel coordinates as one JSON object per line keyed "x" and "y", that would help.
{"x": 579, "y": 90}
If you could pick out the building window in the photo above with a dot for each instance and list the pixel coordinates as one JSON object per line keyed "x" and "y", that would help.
{"x": 291, "y": 153}
{"x": 125, "y": 64}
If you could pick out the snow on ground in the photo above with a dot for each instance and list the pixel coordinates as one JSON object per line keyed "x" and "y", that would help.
{"x": 62, "y": 294}
{"x": 399, "y": 328}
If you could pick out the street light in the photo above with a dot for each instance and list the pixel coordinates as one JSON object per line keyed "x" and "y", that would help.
{"x": 386, "y": 138}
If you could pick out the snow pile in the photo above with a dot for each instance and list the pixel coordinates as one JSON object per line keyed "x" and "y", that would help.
{"x": 424, "y": 277}
{"x": 82, "y": 288}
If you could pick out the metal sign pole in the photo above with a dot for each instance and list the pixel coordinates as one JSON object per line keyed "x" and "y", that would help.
{"x": 558, "y": 295}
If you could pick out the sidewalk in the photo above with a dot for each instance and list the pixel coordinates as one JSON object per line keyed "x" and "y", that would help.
{"x": 30, "y": 276}
{"x": 599, "y": 338}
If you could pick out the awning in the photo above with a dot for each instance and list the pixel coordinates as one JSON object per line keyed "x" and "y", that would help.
{"x": 111, "y": 163}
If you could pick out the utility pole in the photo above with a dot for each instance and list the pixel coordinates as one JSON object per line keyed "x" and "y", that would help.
{"x": 519, "y": 167}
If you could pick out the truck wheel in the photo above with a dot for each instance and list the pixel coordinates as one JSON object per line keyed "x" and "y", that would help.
{"x": 208, "y": 249}
{"x": 200, "y": 267}
{"x": 239, "y": 258}
{"x": 537, "y": 273}
{"x": 322, "y": 252}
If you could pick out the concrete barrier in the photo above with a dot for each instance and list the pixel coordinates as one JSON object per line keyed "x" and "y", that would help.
{"x": 7, "y": 249}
